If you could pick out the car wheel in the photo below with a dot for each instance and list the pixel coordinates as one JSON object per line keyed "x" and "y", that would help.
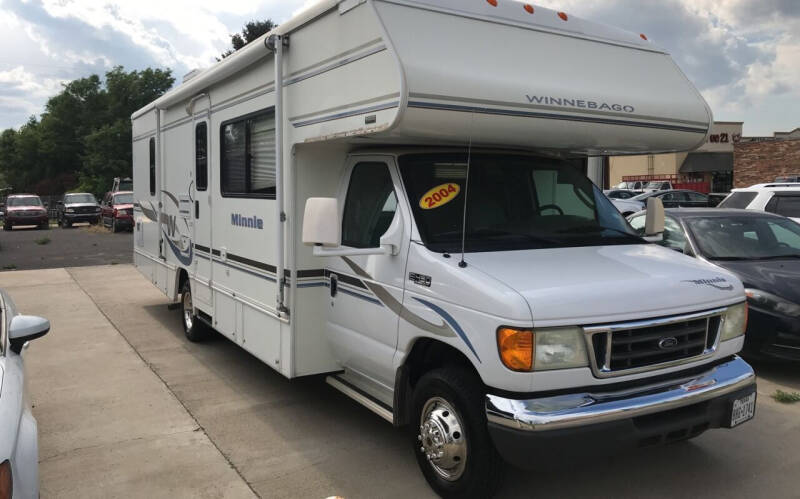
{"x": 114, "y": 227}
{"x": 451, "y": 439}
{"x": 194, "y": 329}
{"x": 6, "y": 226}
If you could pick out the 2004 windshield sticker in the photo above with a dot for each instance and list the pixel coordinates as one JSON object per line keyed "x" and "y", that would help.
{"x": 439, "y": 196}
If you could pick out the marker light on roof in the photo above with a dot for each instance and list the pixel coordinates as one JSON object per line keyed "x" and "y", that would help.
{"x": 528, "y": 7}
{"x": 493, "y": 3}
{"x": 643, "y": 37}
{"x": 563, "y": 16}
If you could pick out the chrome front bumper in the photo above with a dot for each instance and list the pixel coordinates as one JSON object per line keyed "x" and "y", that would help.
{"x": 581, "y": 409}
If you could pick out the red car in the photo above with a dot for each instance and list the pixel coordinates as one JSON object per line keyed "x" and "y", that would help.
{"x": 117, "y": 210}
{"x": 25, "y": 209}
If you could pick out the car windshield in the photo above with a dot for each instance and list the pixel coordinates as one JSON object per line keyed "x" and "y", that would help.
{"x": 79, "y": 198}
{"x": 654, "y": 185}
{"x": 738, "y": 200}
{"x": 24, "y": 201}
{"x": 746, "y": 237}
{"x": 514, "y": 202}
{"x": 643, "y": 196}
{"x": 126, "y": 198}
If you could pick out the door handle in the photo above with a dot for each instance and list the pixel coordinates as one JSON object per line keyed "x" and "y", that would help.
{"x": 196, "y": 209}
{"x": 334, "y": 285}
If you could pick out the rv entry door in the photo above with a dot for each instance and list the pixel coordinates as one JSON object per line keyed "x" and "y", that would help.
{"x": 201, "y": 216}
{"x": 365, "y": 291}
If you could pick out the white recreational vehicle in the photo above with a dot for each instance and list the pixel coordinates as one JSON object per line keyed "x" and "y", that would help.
{"x": 408, "y": 211}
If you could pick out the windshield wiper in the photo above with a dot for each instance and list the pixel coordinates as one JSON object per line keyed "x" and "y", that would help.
{"x": 597, "y": 229}
{"x": 778, "y": 257}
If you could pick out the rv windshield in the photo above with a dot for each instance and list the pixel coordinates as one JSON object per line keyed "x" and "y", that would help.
{"x": 515, "y": 202}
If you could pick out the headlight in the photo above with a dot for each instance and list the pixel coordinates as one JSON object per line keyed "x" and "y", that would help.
{"x": 542, "y": 349}
{"x": 70, "y": 210}
{"x": 734, "y": 322}
{"x": 774, "y": 303}
{"x": 97, "y": 209}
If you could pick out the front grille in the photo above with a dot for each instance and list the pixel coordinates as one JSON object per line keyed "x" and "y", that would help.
{"x": 621, "y": 348}
{"x": 85, "y": 209}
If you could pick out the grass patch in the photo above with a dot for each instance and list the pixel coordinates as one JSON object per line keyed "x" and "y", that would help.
{"x": 9, "y": 266}
{"x": 786, "y": 397}
{"x": 42, "y": 241}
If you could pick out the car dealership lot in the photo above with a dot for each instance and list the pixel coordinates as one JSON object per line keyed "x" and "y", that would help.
{"x": 79, "y": 245}
{"x": 127, "y": 407}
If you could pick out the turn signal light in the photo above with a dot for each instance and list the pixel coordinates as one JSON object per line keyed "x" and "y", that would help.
{"x": 493, "y": 3}
{"x": 528, "y": 8}
{"x": 642, "y": 36}
{"x": 516, "y": 348}
{"x": 563, "y": 16}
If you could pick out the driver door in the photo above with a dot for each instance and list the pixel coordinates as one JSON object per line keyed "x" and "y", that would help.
{"x": 364, "y": 290}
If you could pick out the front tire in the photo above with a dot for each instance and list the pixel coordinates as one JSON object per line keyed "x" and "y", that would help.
{"x": 114, "y": 227}
{"x": 194, "y": 329}
{"x": 451, "y": 438}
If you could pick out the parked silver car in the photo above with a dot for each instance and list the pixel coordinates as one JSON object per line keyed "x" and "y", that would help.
{"x": 19, "y": 448}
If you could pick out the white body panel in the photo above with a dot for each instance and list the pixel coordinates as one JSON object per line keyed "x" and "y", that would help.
{"x": 19, "y": 439}
{"x": 764, "y": 193}
{"x": 356, "y": 75}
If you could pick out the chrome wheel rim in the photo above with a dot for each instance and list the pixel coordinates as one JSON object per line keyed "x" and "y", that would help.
{"x": 442, "y": 440}
{"x": 188, "y": 313}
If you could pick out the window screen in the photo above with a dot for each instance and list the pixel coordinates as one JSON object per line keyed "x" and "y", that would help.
{"x": 248, "y": 157}
{"x": 152, "y": 166}
{"x": 369, "y": 207}
{"x": 201, "y": 156}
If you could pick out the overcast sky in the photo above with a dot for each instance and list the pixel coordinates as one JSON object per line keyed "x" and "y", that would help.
{"x": 744, "y": 55}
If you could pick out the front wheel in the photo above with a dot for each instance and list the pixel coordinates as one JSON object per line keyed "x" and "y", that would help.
{"x": 194, "y": 329}
{"x": 451, "y": 439}
{"x": 114, "y": 227}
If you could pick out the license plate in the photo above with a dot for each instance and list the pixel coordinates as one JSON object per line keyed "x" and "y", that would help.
{"x": 743, "y": 409}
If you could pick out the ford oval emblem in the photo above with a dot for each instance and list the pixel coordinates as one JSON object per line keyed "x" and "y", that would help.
{"x": 667, "y": 343}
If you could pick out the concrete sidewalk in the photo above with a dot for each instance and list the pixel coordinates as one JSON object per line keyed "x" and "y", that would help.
{"x": 127, "y": 407}
{"x": 108, "y": 426}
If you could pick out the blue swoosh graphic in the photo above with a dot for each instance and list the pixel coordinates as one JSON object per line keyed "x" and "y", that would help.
{"x": 450, "y": 320}
{"x": 184, "y": 259}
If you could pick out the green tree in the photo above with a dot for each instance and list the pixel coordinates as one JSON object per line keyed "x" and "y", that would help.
{"x": 83, "y": 138}
{"x": 250, "y": 31}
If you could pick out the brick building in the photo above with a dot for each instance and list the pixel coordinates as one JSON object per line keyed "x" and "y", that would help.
{"x": 758, "y": 161}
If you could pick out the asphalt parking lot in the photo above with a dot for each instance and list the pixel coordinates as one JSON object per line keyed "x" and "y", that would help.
{"x": 24, "y": 248}
{"x": 128, "y": 408}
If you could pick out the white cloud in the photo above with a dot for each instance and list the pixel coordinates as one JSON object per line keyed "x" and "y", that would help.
{"x": 744, "y": 55}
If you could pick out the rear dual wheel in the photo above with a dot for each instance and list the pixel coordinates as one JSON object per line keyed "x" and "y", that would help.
{"x": 451, "y": 438}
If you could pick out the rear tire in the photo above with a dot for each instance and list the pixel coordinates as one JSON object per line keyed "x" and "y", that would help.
{"x": 194, "y": 329}
{"x": 6, "y": 226}
{"x": 449, "y": 423}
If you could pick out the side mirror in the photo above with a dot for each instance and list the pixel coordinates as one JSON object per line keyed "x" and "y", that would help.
{"x": 654, "y": 221}
{"x": 322, "y": 229}
{"x": 25, "y": 328}
{"x": 321, "y": 223}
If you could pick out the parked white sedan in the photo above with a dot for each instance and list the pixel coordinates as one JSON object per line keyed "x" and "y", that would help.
{"x": 19, "y": 448}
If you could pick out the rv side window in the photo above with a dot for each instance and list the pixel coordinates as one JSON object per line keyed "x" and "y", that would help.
{"x": 248, "y": 157}
{"x": 201, "y": 156}
{"x": 370, "y": 206}
{"x": 152, "y": 166}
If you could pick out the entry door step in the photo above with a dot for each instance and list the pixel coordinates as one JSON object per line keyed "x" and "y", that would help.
{"x": 354, "y": 387}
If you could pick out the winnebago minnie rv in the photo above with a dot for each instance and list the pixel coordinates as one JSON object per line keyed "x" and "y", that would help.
{"x": 407, "y": 210}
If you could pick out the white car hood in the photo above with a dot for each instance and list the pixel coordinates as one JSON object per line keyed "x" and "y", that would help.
{"x": 596, "y": 284}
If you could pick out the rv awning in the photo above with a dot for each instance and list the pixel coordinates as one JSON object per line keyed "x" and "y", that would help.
{"x": 701, "y": 162}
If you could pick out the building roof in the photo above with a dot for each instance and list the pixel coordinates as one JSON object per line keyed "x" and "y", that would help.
{"x": 697, "y": 162}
